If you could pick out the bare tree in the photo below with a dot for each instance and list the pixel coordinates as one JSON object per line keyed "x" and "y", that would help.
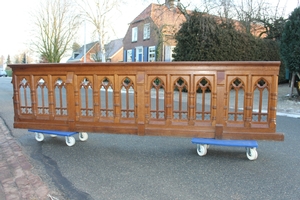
{"x": 226, "y": 8}
{"x": 273, "y": 22}
{"x": 246, "y": 11}
{"x": 55, "y": 25}
{"x": 221, "y": 8}
{"x": 249, "y": 11}
{"x": 99, "y": 13}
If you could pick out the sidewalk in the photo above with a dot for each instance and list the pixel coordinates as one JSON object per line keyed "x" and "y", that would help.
{"x": 17, "y": 182}
{"x": 286, "y": 106}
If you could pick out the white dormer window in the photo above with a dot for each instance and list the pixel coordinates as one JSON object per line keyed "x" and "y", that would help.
{"x": 134, "y": 34}
{"x": 75, "y": 54}
{"x": 146, "y": 31}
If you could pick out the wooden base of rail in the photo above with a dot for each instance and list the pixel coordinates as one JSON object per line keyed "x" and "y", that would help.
{"x": 253, "y": 136}
{"x": 176, "y": 131}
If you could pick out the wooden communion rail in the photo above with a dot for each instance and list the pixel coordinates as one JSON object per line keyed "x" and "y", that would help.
{"x": 222, "y": 100}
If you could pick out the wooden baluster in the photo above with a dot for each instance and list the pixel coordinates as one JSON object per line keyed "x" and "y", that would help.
{"x": 248, "y": 103}
{"x": 32, "y": 96}
{"x": 214, "y": 102}
{"x": 220, "y": 104}
{"x": 273, "y": 102}
{"x": 72, "y": 99}
{"x": 169, "y": 100}
{"x": 147, "y": 86}
{"x": 117, "y": 99}
{"x": 51, "y": 85}
{"x": 16, "y": 97}
{"x": 96, "y": 100}
{"x": 191, "y": 101}
{"x": 140, "y": 92}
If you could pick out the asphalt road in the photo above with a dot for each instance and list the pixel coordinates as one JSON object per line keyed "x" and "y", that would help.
{"x": 109, "y": 166}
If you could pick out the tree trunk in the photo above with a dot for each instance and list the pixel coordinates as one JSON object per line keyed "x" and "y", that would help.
{"x": 292, "y": 84}
{"x": 103, "y": 58}
{"x": 298, "y": 84}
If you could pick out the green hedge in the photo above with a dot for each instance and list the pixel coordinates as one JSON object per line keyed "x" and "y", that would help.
{"x": 202, "y": 38}
{"x": 9, "y": 73}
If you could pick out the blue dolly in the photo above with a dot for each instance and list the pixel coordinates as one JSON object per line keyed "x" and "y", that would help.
{"x": 203, "y": 145}
{"x": 70, "y": 140}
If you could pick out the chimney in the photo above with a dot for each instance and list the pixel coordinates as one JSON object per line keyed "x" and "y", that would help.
{"x": 171, "y": 3}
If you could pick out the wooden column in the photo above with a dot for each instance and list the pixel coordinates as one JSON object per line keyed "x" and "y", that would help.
{"x": 51, "y": 98}
{"x": 169, "y": 100}
{"x": 33, "y": 96}
{"x": 16, "y": 97}
{"x": 192, "y": 100}
{"x": 96, "y": 95}
{"x": 117, "y": 99}
{"x": 141, "y": 102}
{"x": 220, "y": 104}
{"x": 273, "y": 104}
{"x": 249, "y": 99}
{"x": 71, "y": 99}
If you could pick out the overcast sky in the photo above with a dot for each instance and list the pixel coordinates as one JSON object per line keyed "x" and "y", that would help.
{"x": 15, "y": 23}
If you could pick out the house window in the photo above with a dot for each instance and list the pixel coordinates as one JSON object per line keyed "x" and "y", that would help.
{"x": 75, "y": 54}
{"x": 151, "y": 55}
{"x": 139, "y": 54}
{"x": 169, "y": 53}
{"x": 134, "y": 34}
{"x": 146, "y": 31}
{"x": 129, "y": 55}
{"x": 92, "y": 56}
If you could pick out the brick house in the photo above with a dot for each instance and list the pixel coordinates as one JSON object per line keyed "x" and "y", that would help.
{"x": 114, "y": 52}
{"x": 150, "y": 36}
{"x": 78, "y": 55}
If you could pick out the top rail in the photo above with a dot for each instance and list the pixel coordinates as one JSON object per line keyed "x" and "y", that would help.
{"x": 224, "y": 100}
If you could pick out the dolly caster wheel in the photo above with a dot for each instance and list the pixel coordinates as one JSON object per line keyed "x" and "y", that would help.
{"x": 201, "y": 149}
{"x": 83, "y": 136}
{"x": 39, "y": 137}
{"x": 251, "y": 153}
{"x": 70, "y": 141}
